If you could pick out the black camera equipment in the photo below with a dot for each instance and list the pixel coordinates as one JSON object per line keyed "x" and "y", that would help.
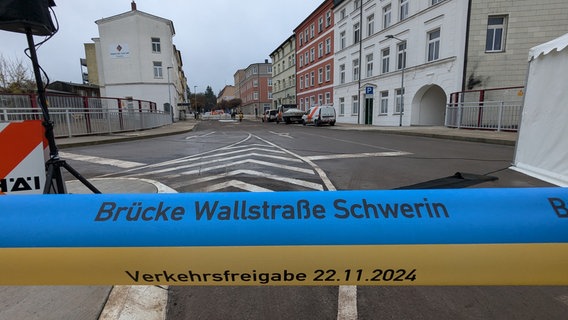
{"x": 33, "y": 17}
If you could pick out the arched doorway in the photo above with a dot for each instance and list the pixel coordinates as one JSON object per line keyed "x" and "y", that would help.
{"x": 429, "y": 106}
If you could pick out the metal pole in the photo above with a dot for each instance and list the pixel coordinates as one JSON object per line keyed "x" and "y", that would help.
{"x": 390, "y": 36}
{"x": 170, "y": 94}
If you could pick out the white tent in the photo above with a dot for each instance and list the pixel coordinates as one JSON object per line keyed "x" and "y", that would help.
{"x": 542, "y": 147}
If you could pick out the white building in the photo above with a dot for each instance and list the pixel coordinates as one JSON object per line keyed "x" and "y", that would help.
{"x": 428, "y": 45}
{"x": 136, "y": 57}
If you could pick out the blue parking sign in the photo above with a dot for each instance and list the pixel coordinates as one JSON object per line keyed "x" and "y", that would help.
{"x": 369, "y": 90}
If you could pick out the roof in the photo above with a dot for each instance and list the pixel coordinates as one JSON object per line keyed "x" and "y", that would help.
{"x": 557, "y": 44}
{"x": 139, "y": 13}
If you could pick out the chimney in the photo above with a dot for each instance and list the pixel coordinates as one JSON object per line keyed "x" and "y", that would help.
{"x": 133, "y": 5}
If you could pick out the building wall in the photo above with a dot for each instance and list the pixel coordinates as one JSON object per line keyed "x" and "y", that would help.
{"x": 125, "y": 59}
{"x": 255, "y": 88}
{"x": 284, "y": 73}
{"x": 528, "y": 23}
{"x": 91, "y": 57}
{"x": 314, "y": 56}
{"x": 426, "y": 83}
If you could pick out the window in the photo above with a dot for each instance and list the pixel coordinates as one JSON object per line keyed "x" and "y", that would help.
{"x": 342, "y": 73}
{"x": 301, "y": 84}
{"x": 270, "y": 82}
{"x": 328, "y": 19}
{"x": 356, "y": 4}
{"x": 384, "y": 102}
{"x": 355, "y": 69}
{"x": 307, "y": 80}
{"x": 399, "y": 102}
{"x": 495, "y": 41}
{"x": 327, "y": 98}
{"x": 436, "y": 1}
{"x": 342, "y": 43}
{"x": 355, "y": 105}
{"x": 312, "y": 54}
{"x": 158, "y": 71}
{"x": 320, "y": 50}
{"x": 401, "y": 56}
{"x": 301, "y": 39}
{"x": 370, "y": 25}
{"x": 327, "y": 45}
{"x": 255, "y": 70}
{"x": 312, "y": 78}
{"x": 301, "y": 61}
{"x": 328, "y": 72}
{"x": 387, "y": 16}
{"x": 306, "y": 58}
{"x": 312, "y": 31}
{"x": 369, "y": 65}
{"x": 342, "y": 14}
{"x": 434, "y": 45}
{"x": 320, "y": 25}
{"x": 341, "y": 106}
{"x": 356, "y": 33}
{"x": 320, "y": 75}
{"x": 403, "y": 9}
{"x": 320, "y": 99}
{"x": 156, "y": 46}
{"x": 255, "y": 95}
{"x": 255, "y": 83}
{"x": 385, "y": 60}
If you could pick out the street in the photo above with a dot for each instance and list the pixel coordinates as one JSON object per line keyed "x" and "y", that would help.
{"x": 255, "y": 156}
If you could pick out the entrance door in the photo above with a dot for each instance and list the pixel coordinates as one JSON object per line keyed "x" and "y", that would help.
{"x": 369, "y": 111}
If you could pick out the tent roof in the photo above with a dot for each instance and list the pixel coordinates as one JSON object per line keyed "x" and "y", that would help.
{"x": 559, "y": 44}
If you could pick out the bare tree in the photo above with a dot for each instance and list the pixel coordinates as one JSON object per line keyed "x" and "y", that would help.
{"x": 15, "y": 77}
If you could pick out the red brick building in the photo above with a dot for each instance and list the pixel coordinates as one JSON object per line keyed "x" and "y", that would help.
{"x": 253, "y": 86}
{"x": 314, "y": 57}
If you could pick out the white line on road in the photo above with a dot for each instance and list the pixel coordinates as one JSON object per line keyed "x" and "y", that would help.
{"x": 99, "y": 160}
{"x": 282, "y": 134}
{"x": 264, "y": 163}
{"x": 236, "y": 184}
{"x": 201, "y": 136}
{"x": 303, "y": 183}
{"x": 359, "y": 155}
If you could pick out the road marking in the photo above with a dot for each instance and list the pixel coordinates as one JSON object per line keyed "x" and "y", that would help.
{"x": 347, "y": 303}
{"x": 563, "y": 299}
{"x": 201, "y": 136}
{"x": 282, "y": 134}
{"x": 236, "y": 184}
{"x": 359, "y": 155}
{"x": 303, "y": 183}
{"x": 98, "y": 160}
{"x": 246, "y": 161}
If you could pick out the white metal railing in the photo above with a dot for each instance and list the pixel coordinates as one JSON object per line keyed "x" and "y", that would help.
{"x": 491, "y": 115}
{"x": 75, "y": 116}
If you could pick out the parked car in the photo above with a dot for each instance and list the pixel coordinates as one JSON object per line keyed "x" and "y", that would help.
{"x": 289, "y": 113}
{"x": 270, "y": 115}
{"x": 319, "y": 115}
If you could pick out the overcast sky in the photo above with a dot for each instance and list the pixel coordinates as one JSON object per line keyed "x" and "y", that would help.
{"x": 215, "y": 37}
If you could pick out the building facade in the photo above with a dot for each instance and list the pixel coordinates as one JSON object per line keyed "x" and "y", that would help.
{"x": 254, "y": 85}
{"x": 284, "y": 73}
{"x": 500, "y": 36}
{"x": 314, "y": 57}
{"x": 135, "y": 57}
{"x": 397, "y": 61}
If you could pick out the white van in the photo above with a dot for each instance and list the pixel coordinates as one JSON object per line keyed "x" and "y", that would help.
{"x": 319, "y": 115}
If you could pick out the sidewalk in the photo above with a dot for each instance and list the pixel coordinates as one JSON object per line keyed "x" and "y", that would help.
{"x": 149, "y": 302}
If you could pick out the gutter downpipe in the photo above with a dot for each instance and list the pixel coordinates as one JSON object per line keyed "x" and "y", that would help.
{"x": 360, "y": 57}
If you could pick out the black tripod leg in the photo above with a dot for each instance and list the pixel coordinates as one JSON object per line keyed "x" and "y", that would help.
{"x": 79, "y": 177}
{"x": 48, "y": 179}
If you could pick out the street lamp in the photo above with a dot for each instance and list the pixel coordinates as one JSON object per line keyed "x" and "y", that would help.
{"x": 170, "y": 94}
{"x": 195, "y": 99}
{"x": 390, "y": 36}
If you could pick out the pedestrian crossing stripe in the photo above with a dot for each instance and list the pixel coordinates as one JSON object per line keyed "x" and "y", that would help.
{"x": 395, "y": 237}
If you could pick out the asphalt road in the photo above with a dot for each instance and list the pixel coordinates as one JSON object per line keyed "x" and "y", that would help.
{"x": 255, "y": 156}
